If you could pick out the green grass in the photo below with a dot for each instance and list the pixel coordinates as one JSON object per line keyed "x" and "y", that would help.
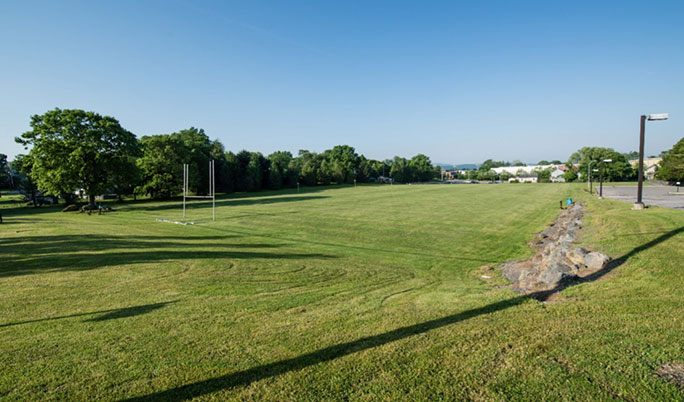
{"x": 371, "y": 293}
{"x": 8, "y": 200}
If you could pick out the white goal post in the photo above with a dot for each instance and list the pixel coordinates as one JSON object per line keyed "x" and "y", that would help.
{"x": 212, "y": 188}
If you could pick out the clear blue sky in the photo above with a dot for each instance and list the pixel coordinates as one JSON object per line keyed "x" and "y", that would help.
{"x": 458, "y": 81}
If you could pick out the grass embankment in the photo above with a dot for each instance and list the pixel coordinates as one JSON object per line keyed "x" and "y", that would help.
{"x": 370, "y": 293}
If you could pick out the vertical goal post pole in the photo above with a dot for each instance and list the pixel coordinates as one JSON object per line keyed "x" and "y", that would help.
{"x": 211, "y": 187}
{"x": 185, "y": 185}
{"x": 213, "y": 191}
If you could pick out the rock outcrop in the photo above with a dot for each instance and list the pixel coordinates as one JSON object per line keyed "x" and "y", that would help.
{"x": 556, "y": 261}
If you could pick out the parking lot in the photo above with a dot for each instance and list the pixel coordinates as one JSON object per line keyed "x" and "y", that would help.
{"x": 662, "y": 196}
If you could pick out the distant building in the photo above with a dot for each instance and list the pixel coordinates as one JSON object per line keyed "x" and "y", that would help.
{"x": 650, "y": 166}
{"x": 557, "y": 176}
{"x": 528, "y": 174}
{"x": 385, "y": 179}
{"x": 513, "y": 170}
{"x": 524, "y": 178}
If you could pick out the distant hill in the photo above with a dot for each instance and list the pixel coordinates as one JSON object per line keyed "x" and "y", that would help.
{"x": 464, "y": 166}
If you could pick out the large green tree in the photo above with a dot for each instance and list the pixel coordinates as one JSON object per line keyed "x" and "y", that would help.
{"x": 199, "y": 149}
{"x": 343, "y": 163}
{"x": 308, "y": 165}
{"x": 230, "y": 172}
{"x": 21, "y": 171}
{"x": 4, "y": 172}
{"x": 367, "y": 168}
{"x": 617, "y": 170}
{"x": 543, "y": 175}
{"x": 243, "y": 181}
{"x": 672, "y": 166}
{"x": 278, "y": 175}
{"x": 631, "y": 155}
{"x": 163, "y": 158}
{"x": 421, "y": 168}
{"x": 257, "y": 171}
{"x": 161, "y": 166}
{"x": 126, "y": 178}
{"x": 73, "y": 149}
{"x": 401, "y": 170}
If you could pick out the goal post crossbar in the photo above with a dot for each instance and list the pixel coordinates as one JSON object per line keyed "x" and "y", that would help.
{"x": 212, "y": 188}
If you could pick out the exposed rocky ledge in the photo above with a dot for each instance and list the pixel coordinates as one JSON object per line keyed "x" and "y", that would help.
{"x": 556, "y": 261}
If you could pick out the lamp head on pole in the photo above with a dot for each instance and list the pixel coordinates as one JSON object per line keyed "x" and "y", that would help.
{"x": 607, "y": 160}
{"x": 658, "y": 116}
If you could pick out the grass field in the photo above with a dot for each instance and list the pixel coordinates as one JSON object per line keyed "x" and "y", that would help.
{"x": 370, "y": 293}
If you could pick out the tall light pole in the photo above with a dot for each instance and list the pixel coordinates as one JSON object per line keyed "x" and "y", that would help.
{"x": 661, "y": 116}
{"x": 589, "y": 172}
{"x": 601, "y": 177}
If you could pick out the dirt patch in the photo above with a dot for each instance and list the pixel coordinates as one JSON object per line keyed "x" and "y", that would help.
{"x": 557, "y": 262}
{"x": 673, "y": 372}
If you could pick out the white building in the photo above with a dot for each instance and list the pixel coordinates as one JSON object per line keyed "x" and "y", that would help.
{"x": 528, "y": 174}
{"x": 524, "y": 178}
{"x": 650, "y": 166}
{"x": 557, "y": 176}
{"x": 513, "y": 170}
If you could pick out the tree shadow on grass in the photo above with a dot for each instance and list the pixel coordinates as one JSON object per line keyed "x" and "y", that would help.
{"x": 174, "y": 203}
{"x": 108, "y": 314}
{"x": 20, "y": 210}
{"x": 239, "y": 196}
{"x": 246, "y": 377}
{"x": 230, "y": 202}
{"x": 35, "y": 254}
{"x": 129, "y": 311}
{"x": 43, "y": 245}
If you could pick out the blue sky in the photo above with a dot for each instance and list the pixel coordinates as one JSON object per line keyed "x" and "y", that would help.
{"x": 458, "y": 81}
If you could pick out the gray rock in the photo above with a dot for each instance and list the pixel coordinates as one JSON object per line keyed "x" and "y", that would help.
{"x": 596, "y": 260}
{"x": 576, "y": 255}
{"x": 569, "y": 236}
{"x": 556, "y": 256}
{"x": 576, "y": 268}
{"x": 556, "y": 273}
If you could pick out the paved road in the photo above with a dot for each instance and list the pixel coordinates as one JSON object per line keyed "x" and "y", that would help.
{"x": 661, "y": 196}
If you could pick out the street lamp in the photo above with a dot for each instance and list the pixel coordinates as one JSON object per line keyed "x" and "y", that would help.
{"x": 589, "y": 177}
{"x": 661, "y": 116}
{"x": 591, "y": 183}
{"x": 601, "y": 177}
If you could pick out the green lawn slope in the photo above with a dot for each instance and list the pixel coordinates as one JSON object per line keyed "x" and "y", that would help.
{"x": 371, "y": 293}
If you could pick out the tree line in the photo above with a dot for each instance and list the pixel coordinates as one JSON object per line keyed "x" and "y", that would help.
{"x": 72, "y": 150}
{"x": 619, "y": 169}
{"x": 672, "y": 166}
